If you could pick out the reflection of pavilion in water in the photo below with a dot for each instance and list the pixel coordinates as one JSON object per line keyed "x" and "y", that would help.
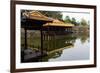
{"x": 54, "y": 37}
{"x": 56, "y": 41}
{"x": 55, "y": 44}
{"x": 52, "y": 47}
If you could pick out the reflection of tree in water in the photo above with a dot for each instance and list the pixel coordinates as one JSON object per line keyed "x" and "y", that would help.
{"x": 83, "y": 37}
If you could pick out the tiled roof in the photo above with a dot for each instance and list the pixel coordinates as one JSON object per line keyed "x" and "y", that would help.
{"x": 36, "y": 16}
{"x": 57, "y": 22}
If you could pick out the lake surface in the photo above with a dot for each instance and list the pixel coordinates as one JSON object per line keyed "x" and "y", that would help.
{"x": 79, "y": 51}
{"x": 72, "y": 46}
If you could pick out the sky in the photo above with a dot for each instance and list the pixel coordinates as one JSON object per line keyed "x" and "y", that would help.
{"x": 77, "y": 15}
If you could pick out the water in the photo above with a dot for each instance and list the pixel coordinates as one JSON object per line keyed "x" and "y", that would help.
{"x": 71, "y": 46}
{"x": 78, "y": 52}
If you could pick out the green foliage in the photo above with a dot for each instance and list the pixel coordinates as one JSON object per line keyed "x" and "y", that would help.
{"x": 67, "y": 19}
{"x": 73, "y": 21}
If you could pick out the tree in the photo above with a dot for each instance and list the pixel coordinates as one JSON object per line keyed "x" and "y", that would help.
{"x": 52, "y": 14}
{"x": 84, "y": 22}
{"x": 73, "y": 21}
{"x": 67, "y": 19}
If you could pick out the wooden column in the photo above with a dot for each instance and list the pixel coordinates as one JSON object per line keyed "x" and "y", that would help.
{"x": 25, "y": 38}
{"x": 41, "y": 40}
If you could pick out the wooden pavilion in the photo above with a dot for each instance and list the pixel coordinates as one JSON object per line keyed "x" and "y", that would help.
{"x": 57, "y": 27}
{"x": 34, "y": 20}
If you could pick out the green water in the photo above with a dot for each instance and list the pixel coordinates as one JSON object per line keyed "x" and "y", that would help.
{"x": 70, "y": 46}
